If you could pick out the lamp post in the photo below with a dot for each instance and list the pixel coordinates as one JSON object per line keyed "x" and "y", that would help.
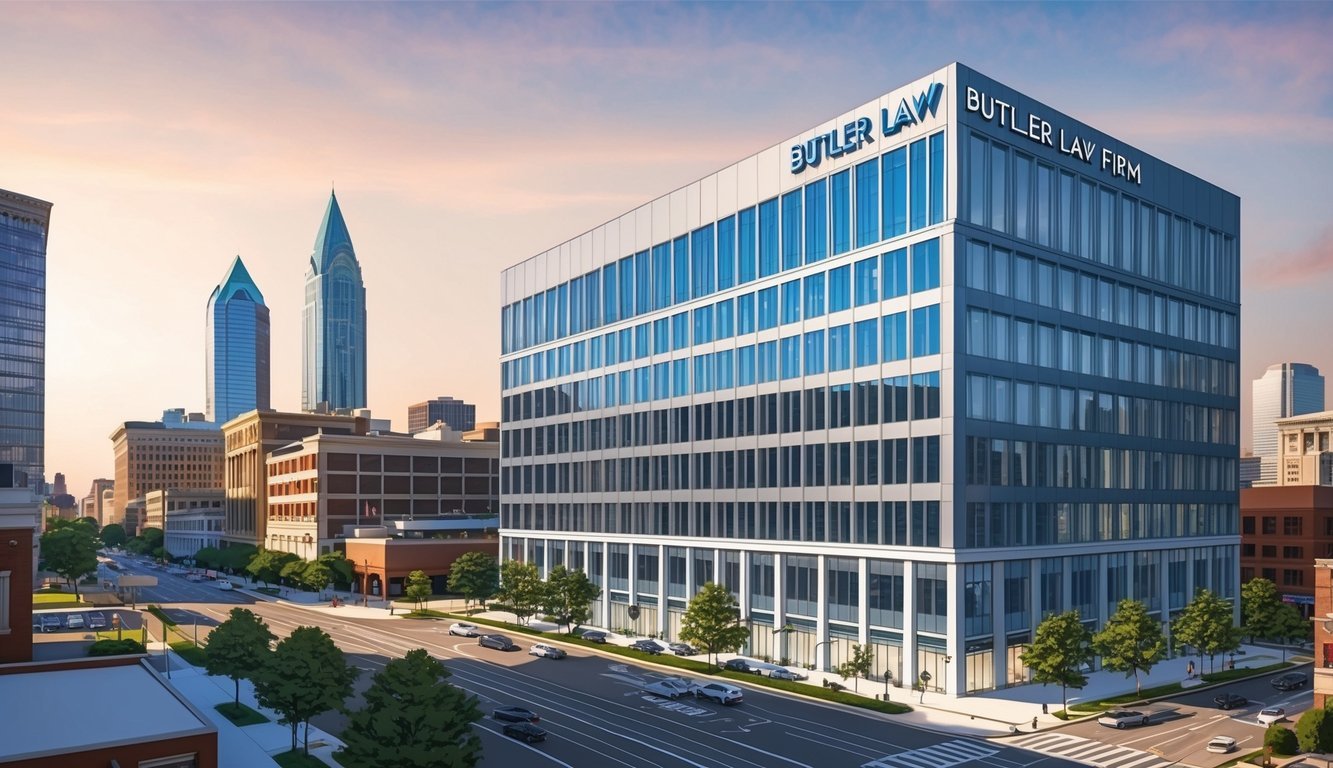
{"x": 814, "y": 662}
{"x": 785, "y": 629}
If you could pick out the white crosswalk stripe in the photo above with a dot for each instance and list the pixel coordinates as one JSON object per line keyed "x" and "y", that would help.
{"x": 1089, "y": 752}
{"x": 940, "y": 755}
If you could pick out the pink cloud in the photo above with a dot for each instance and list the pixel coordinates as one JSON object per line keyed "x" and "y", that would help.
{"x": 1296, "y": 266}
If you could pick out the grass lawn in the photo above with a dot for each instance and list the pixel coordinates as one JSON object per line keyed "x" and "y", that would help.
{"x": 44, "y": 599}
{"x": 189, "y": 652}
{"x": 1172, "y": 688}
{"x": 239, "y": 714}
{"x": 161, "y": 615}
{"x": 298, "y": 759}
{"x": 426, "y": 613}
{"x": 270, "y": 591}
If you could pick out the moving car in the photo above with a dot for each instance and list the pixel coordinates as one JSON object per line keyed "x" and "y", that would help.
{"x": 594, "y": 635}
{"x": 1122, "y": 718}
{"x": 784, "y": 673}
{"x": 498, "y": 642}
{"x": 464, "y": 629}
{"x": 682, "y": 649}
{"x": 647, "y": 646}
{"x": 1270, "y": 715}
{"x": 547, "y": 651}
{"x": 526, "y": 732}
{"x": 97, "y": 620}
{"x": 225, "y": 586}
{"x": 1221, "y": 744}
{"x": 1230, "y": 700}
{"x": 515, "y": 715}
{"x": 51, "y": 623}
{"x": 740, "y": 665}
{"x": 720, "y": 692}
{"x": 671, "y": 687}
{"x": 1289, "y": 681}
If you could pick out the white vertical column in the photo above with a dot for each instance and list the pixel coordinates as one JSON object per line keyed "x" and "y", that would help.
{"x": 779, "y": 609}
{"x": 606, "y": 585}
{"x": 821, "y": 614}
{"x": 662, "y": 591}
{"x": 909, "y": 624}
{"x": 955, "y": 671}
{"x": 999, "y": 650}
{"x": 863, "y": 600}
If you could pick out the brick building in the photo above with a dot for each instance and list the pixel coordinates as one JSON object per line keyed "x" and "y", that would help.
{"x": 1283, "y": 530}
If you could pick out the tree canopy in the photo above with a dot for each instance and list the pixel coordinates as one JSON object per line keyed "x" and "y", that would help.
{"x": 70, "y": 551}
{"x": 1131, "y": 642}
{"x": 475, "y": 576}
{"x": 1259, "y": 605}
{"x": 710, "y": 622}
{"x": 859, "y": 665}
{"x": 238, "y": 647}
{"x": 113, "y": 535}
{"x": 418, "y": 587}
{"x": 267, "y": 565}
{"x": 521, "y": 589}
{"x": 1059, "y": 653}
{"x": 1206, "y": 625}
{"x": 305, "y": 676}
{"x": 568, "y": 595}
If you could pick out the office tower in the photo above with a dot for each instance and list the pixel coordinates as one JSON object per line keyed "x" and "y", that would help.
{"x": 95, "y": 500}
{"x": 333, "y": 333}
{"x": 460, "y": 416}
{"x": 23, "y": 229}
{"x": 236, "y": 358}
{"x": 1285, "y": 389}
{"x": 173, "y": 454}
{"x": 914, "y": 378}
{"x": 58, "y": 487}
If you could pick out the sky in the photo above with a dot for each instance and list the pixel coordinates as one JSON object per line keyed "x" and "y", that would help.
{"x": 462, "y": 139}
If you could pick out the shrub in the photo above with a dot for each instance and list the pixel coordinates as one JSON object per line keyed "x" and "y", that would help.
{"x": 1314, "y": 731}
{"x": 116, "y": 647}
{"x": 1282, "y": 740}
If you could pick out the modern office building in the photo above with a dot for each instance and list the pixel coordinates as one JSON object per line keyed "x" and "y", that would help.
{"x": 458, "y": 415}
{"x": 180, "y": 452}
{"x": 1285, "y": 389}
{"x": 236, "y": 357}
{"x": 1305, "y": 444}
{"x": 23, "y": 229}
{"x": 190, "y": 520}
{"x": 915, "y": 378}
{"x": 333, "y": 330}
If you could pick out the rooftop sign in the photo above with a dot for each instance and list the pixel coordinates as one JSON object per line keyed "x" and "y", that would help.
{"x": 856, "y": 134}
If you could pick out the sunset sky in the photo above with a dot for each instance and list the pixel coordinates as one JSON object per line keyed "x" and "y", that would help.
{"x": 462, "y": 139}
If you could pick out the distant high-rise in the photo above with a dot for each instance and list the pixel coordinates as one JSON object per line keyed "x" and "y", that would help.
{"x": 333, "y": 331}
{"x": 58, "y": 487}
{"x": 460, "y": 416}
{"x": 23, "y": 227}
{"x": 236, "y": 364}
{"x": 1285, "y": 389}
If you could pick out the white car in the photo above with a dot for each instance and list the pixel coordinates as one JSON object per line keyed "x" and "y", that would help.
{"x": 74, "y": 621}
{"x": 225, "y": 586}
{"x": 1270, "y": 715}
{"x": 720, "y": 692}
{"x": 546, "y": 651}
{"x": 1122, "y": 718}
{"x": 1221, "y": 744}
{"x": 463, "y": 629}
{"x": 671, "y": 687}
{"x": 784, "y": 673}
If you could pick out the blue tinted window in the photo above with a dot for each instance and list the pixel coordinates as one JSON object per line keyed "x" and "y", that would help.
{"x": 680, "y": 377}
{"x": 839, "y": 289}
{"x": 680, "y": 260}
{"x": 661, "y": 276}
{"x": 609, "y": 389}
{"x": 745, "y": 371}
{"x": 703, "y": 373}
{"x": 626, "y": 395}
{"x": 539, "y": 312}
{"x": 580, "y": 356}
{"x": 726, "y": 319}
{"x": 839, "y": 348}
{"x": 768, "y": 308}
{"x": 791, "y": 357}
{"x": 745, "y": 246}
{"x": 814, "y": 295}
{"x": 894, "y": 265}
{"x": 726, "y": 253}
{"x": 768, "y": 238}
{"x": 816, "y": 221}
{"x": 768, "y": 361}
{"x": 642, "y": 386}
{"x": 814, "y": 352}
{"x": 593, "y": 286}
{"x": 937, "y": 178}
{"x": 575, "y": 305}
{"x": 895, "y": 193}
{"x": 791, "y": 301}
{"x": 917, "y": 170}
{"x": 704, "y": 268}
{"x": 866, "y": 283}
{"x": 842, "y": 212}
{"x": 745, "y": 313}
{"x": 926, "y": 330}
{"x": 703, "y": 325}
{"x": 643, "y": 294}
{"x": 926, "y": 265}
{"x": 612, "y": 350}
{"x": 641, "y": 341}
{"x": 562, "y": 311}
{"x": 867, "y": 342}
{"x": 661, "y": 336}
{"x": 627, "y": 287}
{"x": 867, "y": 203}
{"x": 724, "y": 370}
{"x": 791, "y": 229}
{"x": 895, "y": 337}
{"x": 595, "y": 352}
{"x": 661, "y": 381}
{"x": 680, "y": 330}
{"x": 626, "y": 345}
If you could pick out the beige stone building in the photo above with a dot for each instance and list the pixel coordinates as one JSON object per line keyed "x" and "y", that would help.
{"x": 1305, "y": 443}
{"x": 92, "y": 503}
{"x": 190, "y": 520}
{"x": 173, "y": 454}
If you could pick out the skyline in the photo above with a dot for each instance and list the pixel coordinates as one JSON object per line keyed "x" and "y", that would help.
{"x": 466, "y": 139}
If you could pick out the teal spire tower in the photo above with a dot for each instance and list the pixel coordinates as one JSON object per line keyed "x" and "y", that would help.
{"x": 333, "y": 331}
{"x": 236, "y": 358}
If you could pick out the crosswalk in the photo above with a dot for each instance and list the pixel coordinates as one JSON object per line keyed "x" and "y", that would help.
{"x": 940, "y": 755}
{"x": 1090, "y": 752}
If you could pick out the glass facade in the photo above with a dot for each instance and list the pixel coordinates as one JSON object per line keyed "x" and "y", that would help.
{"x": 334, "y": 321}
{"x": 23, "y": 229}
{"x": 237, "y": 354}
{"x": 924, "y": 395}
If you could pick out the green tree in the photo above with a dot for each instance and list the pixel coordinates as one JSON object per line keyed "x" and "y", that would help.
{"x": 1288, "y": 625}
{"x": 208, "y": 557}
{"x": 413, "y": 718}
{"x": 1259, "y": 604}
{"x": 569, "y": 594}
{"x": 1131, "y": 642}
{"x": 267, "y": 564}
{"x": 70, "y": 551}
{"x": 859, "y": 665}
{"x": 238, "y": 647}
{"x": 1314, "y": 731}
{"x": 113, "y": 535}
{"x": 475, "y": 576}
{"x": 91, "y": 522}
{"x": 305, "y": 676}
{"x": 1060, "y": 652}
{"x": 291, "y": 572}
{"x": 1205, "y": 624}
{"x": 521, "y": 589}
{"x": 710, "y": 622}
{"x": 237, "y": 557}
{"x": 152, "y": 540}
{"x": 1281, "y": 739}
{"x": 418, "y": 587}
{"x": 315, "y": 575}
{"x": 340, "y": 568}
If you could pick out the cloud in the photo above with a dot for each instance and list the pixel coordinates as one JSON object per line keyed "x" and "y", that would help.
{"x": 1280, "y": 269}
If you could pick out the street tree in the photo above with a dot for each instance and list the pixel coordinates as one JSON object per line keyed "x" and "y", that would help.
{"x": 1131, "y": 642}
{"x": 1060, "y": 652}
{"x": 305, "y": 676}
{"x": 413, "y": 718}
{"x": 340, "y": 568}
{"x": 236, "y": 558}
{"x": 568, "y": 596}
{"x": 521, "y": 589}
{"x": 1259, "y": 604}
{"x": 152, "y": 540}
{"x": 70, "y": 551}
{"x": 859, "y": 665}
{"x": 315, "y": 575}
{"x": 291, "y": 572}
{"x": 475, "y": 576}
{"x": 418, "y": 587}
{"x": 267, "y": 564}
{"x": 238, "y": 647}
{"x": 91, "y": 522}
{"x": 1205, "y": 624}
{"x": 113, "y": 535}
{"x": 1288, "y": 625}
{"x": 208, "y": 557}
{"x": 711, "y": 622}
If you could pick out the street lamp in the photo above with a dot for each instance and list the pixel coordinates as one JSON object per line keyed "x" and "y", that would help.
{"x": 814, "y": 662}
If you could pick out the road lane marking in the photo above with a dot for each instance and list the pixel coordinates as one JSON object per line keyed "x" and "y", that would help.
{"x": 942, "y": 755}
{"x": 1088, "y": 751}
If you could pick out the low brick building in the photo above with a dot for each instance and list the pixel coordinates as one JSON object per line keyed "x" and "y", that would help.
{"x": 1283, "y": 529}
{"x": 389, "y": 559}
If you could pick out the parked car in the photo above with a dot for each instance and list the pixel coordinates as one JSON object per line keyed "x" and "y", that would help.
{"x": 51, "y": 623}
{"x": 682, "y": 649}
{"x": 1122, "y": 718}
{"x": 498, "y": 642}
{"x": 225, "y": 586}
{"x": 74, "y": 621}
{"x": 594, "y": 635}
{"x": 671, "y": 687}
{"x": 97, "y": 620}
{"x": 720, "y": 692}
{"x": 1289, "y": 681}
{"x": 786, "y": 673}
{"x": 526, "y": 732}
{"x": 546, "y": 651}
{"x": 740, "y": 665}
{"x": 647, "y": 646}
{"x": 1230, "y": 700}
{"x": 1270, "y": 715}
{"x": 464, "y": 629}
{"x": 515, "y": 715}
{"x": 1221, "y": 744}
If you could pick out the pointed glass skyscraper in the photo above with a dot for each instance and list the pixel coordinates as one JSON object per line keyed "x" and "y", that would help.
{"x": 334, "y": 322}
{"x": 237, "y": 357}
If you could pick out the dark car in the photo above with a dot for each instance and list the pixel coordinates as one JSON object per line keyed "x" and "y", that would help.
{"x": 594, "y": 636}
{"x": 498, "y": 642}
{"x": 515, "y": 715}
{"x": 647, "y": 646}
{"x": 682, "y": 649}
{"x": 51, "y": 623}
{"x": 1290, "y": 681}
{"x": 525, "y": 732}
{"x": 738, "y": 665}
{"x": 97, "y": 620}
{"x": 1230, "y": 700}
